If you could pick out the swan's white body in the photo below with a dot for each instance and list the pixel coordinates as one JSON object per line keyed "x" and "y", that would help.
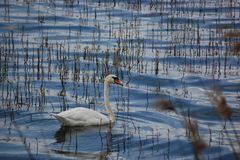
{"x": 81, "y": 117}
{"x": 87, "y": 117}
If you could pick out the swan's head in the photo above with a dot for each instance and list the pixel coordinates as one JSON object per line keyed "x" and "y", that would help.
{"x": 113, "y": 79}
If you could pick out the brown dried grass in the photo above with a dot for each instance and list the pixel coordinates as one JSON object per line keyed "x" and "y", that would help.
{"x": 198, "y": 143}
{"x": 232, "y": 34}
{"x": 164, "y": 105}
{"x": 219, "y": 101}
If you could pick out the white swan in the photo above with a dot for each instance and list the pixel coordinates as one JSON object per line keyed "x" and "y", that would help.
{"x": 87, "y": 117}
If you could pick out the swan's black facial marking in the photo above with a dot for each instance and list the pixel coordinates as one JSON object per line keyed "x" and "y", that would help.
{"x": 115, "y": 78}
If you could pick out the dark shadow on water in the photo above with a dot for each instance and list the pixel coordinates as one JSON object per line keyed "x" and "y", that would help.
{"x": 92, "y": 142}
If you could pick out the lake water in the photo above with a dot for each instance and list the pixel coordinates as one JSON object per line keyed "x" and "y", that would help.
{"x": 54, "y": 56}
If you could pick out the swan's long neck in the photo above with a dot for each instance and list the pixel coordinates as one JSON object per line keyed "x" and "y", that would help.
{"x": 107, "y": 103}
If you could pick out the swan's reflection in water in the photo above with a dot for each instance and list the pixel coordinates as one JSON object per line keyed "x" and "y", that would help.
{"x": 93, "y": 142}
{"x": 66, "y": 132}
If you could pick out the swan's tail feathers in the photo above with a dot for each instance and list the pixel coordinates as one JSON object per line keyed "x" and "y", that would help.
{"x": 52, "y": 114}
{"x": 60, "y": 118}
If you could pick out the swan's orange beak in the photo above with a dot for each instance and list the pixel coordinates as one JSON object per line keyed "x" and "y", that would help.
{"x": 117, "y": 81}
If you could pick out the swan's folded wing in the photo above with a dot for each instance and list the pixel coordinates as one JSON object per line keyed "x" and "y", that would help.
{"x": 82, "y": 117}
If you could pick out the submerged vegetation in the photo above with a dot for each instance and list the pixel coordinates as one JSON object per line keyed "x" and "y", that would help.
{"x": 179, "y": 60}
